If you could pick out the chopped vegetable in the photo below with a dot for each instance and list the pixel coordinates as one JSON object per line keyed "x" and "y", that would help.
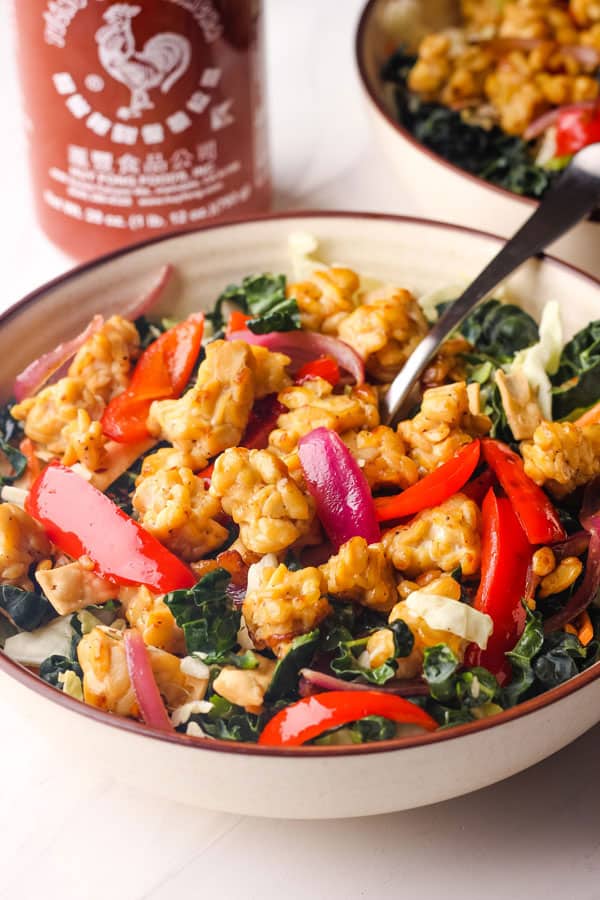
{"x": 505, "y": 558}
{"x": 434, "y": 488}
{"x": 263, "y": 299}
{"x": 535, "y": 512}
{"x": 575, "y": 384}
{"x": 38, "y": 372}
{"x": 325, "y": 367}
{"x": 205, "y": 612}
{"x": 162, "y": 373}
{"x": 143, "y": 682}
{"x": 310, "y": 717}
{"x": 81, "y": 520}
{"x": 344, "y": 503}
{"x": 588, "y": 589}
{"x": 305, "y": 346}
{"x": 576, "y": 127}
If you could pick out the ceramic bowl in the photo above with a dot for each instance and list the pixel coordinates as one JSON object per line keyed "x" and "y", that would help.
{"x": 311, "y": 782}
{"x": 436, "y": 187}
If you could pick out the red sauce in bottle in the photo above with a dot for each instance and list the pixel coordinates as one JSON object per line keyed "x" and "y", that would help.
{"x": 144, "y": 117}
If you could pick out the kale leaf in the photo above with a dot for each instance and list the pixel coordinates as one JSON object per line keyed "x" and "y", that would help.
{"x": 247, "y": 660}
{"x": 56, "y": 665}
{"x": 347, "y": 665}
{"x": 576, "y": 384}
{"x": 262, "y": 297}
{"x": 489, "y": 153}
{"x": 460, "y": 691}
{"x": 363, "y": 731}
{"x": 521, "y": 657}
{"x": 149, "y": 330}
{"x": 540, "y": 662}
{"x": 232, "y": 723}
{"x": 209, "y": 621}
{"x": 27, "y": 609}
{"x": 285, "y": 677}
{"x": 9, "y": 429}
{"x": 499, "y": 330}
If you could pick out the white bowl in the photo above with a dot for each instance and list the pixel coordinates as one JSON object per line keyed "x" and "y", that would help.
{"x": 310, "y": 782}
{"x": 438, "y": 188}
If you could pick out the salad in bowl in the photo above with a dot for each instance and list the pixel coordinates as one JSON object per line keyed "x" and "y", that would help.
{"x": 206, "y": 527}
{"x": 506, "y": 91}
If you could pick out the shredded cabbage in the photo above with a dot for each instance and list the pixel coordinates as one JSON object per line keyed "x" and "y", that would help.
{"x": 542, "y": 359}
{"x": 443, "y": 614}
{"x": 31, "y": 648}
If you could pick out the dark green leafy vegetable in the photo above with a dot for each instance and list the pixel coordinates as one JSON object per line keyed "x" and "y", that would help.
{"x": 459, "y": 690}
{"x": 287, "y": 671}
{"x": 149, "y": 330}
{"x": 232, "y": 723}
{"x": 489, "y": 153}
{"x": 347, "y": 665}
{"x": 542, "y": 662}
{"x": 56, "y": 665}
{"x": 247, "y": 660}
{"x": 370, "y": 728}
{"x": 229, "y": 722}
{"x": 7, "y": 629}
{"x": 521, "y": 657}
{"x": 499, "y": 330}
{"x": 27, "y": 609}
{"x": 576, "y": 384}
{"x": 209, "y": 621}
{"x": 263, "y": 297}
{"x": 9, "y": 430}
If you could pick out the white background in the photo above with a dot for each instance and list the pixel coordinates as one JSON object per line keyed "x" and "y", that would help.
{"x": 75, "y": 835}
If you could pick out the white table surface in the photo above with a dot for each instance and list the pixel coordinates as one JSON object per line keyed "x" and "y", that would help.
{"x": 70, "y": 836}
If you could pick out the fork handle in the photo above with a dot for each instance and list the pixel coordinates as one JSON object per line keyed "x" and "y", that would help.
{"x": 568, "y": 201}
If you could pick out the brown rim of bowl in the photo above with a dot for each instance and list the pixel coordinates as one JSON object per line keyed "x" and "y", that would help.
{"x": 403, "y": 132}
{"x": 27, "y": 678}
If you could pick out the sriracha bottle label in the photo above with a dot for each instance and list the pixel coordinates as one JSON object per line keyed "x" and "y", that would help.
{"x": 144, "y": 117}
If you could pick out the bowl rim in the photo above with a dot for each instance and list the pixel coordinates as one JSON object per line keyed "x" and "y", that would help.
{"x": 359, "y": 50}
{"x": 30, "y": 680}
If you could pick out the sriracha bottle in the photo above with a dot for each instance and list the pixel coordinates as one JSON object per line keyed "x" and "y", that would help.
{"x": 143, "y": 117}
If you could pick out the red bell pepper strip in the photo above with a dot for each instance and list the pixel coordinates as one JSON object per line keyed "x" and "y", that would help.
{"x": 237, "y": 322}
{"x": 534, "y": 510}
{"x": 477, "y": 489}
{"x": 325, "y": 367}
{"x": 308, "y": 718}
{"x": 505, "y": 557}
{"x": 576, "y": 128}
{"x": 82, "y": 521}
{"x": 161, "y": 373}
{"x": 434, "y": 488}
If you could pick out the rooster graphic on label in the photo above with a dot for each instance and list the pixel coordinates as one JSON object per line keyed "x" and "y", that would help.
{"x": 162, "y": 61}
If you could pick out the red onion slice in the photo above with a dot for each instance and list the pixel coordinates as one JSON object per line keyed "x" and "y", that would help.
{"x": 344, "y": 502}
{"x": 543, "y": 122}
{"x": 575, "y": 545}
{"x": 40, "y": 370}
{"x": 145, "y": 303}
{"x": 321, "y": 681}
{"x": 305, "y": 346}
{"x": 144, "y": 684}
{"x": 52, "y": 365}
{"x": 583, "y": 596}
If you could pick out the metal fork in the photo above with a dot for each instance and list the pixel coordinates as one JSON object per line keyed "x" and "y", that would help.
{"x": 569, "y": 200}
